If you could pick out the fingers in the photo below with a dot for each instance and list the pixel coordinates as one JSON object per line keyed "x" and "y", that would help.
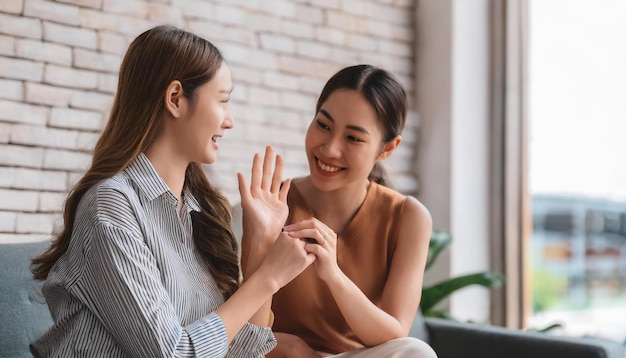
{"x": 312, "y": 231}
{"x": 310, "y": 235}
{"x": 257, "y": 171}
{"x": 278, "y": 174}
{"x": 267, "y": 173}
{"x": 289, "y": 257}
{"x": 314, "y": 249}
{"x": 311, "y": 223}
{"x": 309, "y": 227}
{"x": 268, "y": 164}
{"x": 244, "y": 191}
{"x": 284, "y": 190}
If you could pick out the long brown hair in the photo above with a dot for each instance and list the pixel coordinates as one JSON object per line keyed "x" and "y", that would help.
{"x": 383, "y": 92}
{"x": 154, "y": 59}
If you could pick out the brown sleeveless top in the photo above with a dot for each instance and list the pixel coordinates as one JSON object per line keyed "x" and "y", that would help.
{"x": 305, "y": 306}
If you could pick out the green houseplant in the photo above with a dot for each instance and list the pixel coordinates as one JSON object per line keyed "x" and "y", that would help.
{"x": 434, "y": 294}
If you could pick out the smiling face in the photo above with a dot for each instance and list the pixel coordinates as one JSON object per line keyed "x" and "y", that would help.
{"x": 343, "y": 142}
{"x": 206, "y": 118}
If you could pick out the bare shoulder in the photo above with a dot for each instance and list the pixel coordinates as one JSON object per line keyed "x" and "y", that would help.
{"x": 415, "y": 223}
{"x": 414, "y": 210}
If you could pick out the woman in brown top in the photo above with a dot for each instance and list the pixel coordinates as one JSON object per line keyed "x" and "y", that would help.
{"x": 361, "y": 294}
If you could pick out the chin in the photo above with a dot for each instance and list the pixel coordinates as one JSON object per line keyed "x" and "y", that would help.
{"x": 209, "y": 158}
{"x": 323, "y": 184}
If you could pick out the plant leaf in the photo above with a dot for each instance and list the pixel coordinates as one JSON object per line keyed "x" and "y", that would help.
{"x": 546, "y": 329}
{"x": 432, "y": 295}
{"x": 438, "y": 241}
{"x": 438, "y": 314}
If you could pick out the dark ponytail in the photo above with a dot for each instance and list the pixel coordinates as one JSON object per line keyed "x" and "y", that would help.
{"x": 379, "y": 175}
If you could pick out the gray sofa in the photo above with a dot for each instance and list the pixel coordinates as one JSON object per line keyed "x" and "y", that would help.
{"x": 24, "y": 316}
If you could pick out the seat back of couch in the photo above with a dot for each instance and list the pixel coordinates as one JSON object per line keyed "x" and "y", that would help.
{"x": 23, "y": 314}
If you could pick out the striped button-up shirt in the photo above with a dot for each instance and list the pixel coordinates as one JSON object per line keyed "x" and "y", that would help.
{"x": 132, "y": 283}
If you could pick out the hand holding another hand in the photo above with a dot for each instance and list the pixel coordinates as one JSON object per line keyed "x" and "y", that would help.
{"x": 322, "y": 242}
{"x": 286, "y": 259}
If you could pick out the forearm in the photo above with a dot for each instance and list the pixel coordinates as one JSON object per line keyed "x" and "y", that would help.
{"x": 251, "y": 260}
{"x": 263, "y": 317}
{"x": 255, "y": 244}
{"x": 246, "y": 304}
{"x": 361, "y": 314}
{"x": 249, "y": 266}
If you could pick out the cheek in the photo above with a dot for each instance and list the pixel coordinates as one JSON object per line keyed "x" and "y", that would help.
{"x": 212, "y": 117}
{"x": 309, "y": 139}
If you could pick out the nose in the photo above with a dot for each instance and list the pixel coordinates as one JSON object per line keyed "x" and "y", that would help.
{"x": 229, "y": 120}
{"x": 332, "y": 147}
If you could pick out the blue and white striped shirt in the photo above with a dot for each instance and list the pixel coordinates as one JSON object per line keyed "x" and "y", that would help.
{"x": 132, "y": 283}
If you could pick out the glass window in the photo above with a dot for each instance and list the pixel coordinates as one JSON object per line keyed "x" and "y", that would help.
{"x": 577, "y": 165}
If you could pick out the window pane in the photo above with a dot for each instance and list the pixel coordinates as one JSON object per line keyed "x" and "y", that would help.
{"x": 577, "y": 165}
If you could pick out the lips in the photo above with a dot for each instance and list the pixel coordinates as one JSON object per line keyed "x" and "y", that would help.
{"x": 327, "y": 167}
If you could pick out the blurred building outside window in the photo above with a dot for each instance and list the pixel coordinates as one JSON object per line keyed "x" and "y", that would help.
{"x": 577, "y": 165}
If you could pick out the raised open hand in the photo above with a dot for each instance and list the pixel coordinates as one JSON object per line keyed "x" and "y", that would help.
{"x": 264, "y": 206}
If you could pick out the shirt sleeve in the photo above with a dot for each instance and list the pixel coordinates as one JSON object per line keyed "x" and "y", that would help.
{"x": 121, "y": 284}
{"x": 252, "y": 341}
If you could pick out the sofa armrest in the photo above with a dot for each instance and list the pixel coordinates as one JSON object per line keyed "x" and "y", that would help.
{"x": 451, "y": 339}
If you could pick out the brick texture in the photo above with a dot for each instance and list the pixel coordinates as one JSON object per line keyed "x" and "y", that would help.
{"x": 59, "y": 61}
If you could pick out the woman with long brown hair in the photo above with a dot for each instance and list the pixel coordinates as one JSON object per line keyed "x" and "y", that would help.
{"x": 146, "y": 264}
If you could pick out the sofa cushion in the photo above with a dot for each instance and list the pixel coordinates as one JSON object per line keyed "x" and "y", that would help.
{"x": 418, "y": 329}
{"x": 23, "y": 314}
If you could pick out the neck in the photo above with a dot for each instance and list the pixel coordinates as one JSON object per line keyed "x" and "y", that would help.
{"x": 334, "y": 208}
{"x": 169, "y": 167}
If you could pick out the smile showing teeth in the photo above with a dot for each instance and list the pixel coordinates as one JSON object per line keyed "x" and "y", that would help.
{"x": 327, "y": 168}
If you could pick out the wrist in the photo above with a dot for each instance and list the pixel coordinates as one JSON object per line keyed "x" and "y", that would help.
{"x": 336, "y": 278}
{"x": 265, "y": 279}
{"x": 253, "y": 252}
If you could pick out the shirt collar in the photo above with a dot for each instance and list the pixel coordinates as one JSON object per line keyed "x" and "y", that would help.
{"x": 142, "y": 173}
{"x": 190, "y": 200}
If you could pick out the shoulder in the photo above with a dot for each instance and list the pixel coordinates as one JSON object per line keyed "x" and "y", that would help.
{"x": 385, "y": 191}
{"x": 300, "y": 183}
{"x": 112, "y": 201}
{"x": 297, "y": 188}
{"x": 412, "y": 219}
{"x": 408, "y": 213}
{"x": 415, "y": 222}
{"x": 415, "y": 209}
{"x": 386, "y": 197}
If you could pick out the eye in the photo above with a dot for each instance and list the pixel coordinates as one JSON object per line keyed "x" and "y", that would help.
{"x": 322, "y": 125}
{"x": 226, "y": 100}
{"x": 354, "y": 139}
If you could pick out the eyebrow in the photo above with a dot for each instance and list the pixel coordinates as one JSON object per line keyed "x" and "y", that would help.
{"x": 228, "y": 91}
{"x": 350, "y": 126}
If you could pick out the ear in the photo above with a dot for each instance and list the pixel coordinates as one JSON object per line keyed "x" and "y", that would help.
{"x": 389, "y": 147}
{"x": 174, "y": 99}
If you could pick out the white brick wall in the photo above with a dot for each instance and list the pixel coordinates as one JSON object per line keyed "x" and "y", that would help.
{"x": 58, "y": 76}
